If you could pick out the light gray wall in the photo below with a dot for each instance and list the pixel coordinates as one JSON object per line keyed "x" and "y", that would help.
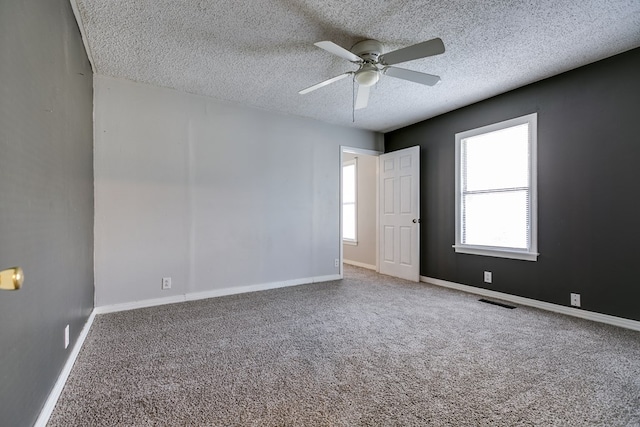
{"x": 213, "y": 195}
{"x": 46, "y": 198}
{"x": 365, "y": 251}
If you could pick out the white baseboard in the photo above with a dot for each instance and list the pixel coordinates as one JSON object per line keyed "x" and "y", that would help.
{"x": 112, "y": 308}
{"x": 193, "y": 296}
{"x": 359, "y": 264}
{"x": 583, "y": 314}
{"x": 327, "y": 278}
{"x": 50, "y": 404}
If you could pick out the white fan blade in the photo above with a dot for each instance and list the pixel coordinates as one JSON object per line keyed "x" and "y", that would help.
{"x": 331, "y": 47}
{"x": 324, "y": 83}
{"x": 412, "y": 76}
{"x": 362, "y": 99}
{"x": 417, "y": 51}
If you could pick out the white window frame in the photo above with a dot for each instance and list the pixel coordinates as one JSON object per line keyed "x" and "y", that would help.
{"x": 353, "y": 162}
{"x": 531, "y": 253}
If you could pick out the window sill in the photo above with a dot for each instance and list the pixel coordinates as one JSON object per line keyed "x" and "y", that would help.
{"x": 350, "y": 242}
{"x": 495, "y": 252}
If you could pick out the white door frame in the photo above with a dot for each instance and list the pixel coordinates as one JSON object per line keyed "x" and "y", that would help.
{"x": 363, "y": 151}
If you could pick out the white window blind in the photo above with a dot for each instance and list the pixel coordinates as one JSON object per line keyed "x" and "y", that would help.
{"x": 495, "y": 190}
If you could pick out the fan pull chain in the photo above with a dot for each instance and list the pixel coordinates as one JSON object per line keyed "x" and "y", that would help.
{"x": 353, "y": 100}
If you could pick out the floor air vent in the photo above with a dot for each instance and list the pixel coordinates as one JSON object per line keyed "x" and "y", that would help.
{"x": 497, "y": 303}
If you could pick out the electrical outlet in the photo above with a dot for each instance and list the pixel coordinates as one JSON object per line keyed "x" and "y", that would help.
{"x": 66, "y": 336}
{"x": 487, "y": 277}
{"x": 166, "y": 283}
{"x": 575, "y": 300}
{"x": 336, "y": 263}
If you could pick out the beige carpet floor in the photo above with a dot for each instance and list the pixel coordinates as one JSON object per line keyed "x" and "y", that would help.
{"x": 368, "y": 350}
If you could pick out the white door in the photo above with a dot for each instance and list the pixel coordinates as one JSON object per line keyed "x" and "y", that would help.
{"x": 400, "y": 213}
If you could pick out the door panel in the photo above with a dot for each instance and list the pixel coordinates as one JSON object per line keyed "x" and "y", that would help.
{"x": 388, "y": 244}
{"x": 405, "y": 195}
{"x": 388, "y": 196}
{"x": 405, "y": 245}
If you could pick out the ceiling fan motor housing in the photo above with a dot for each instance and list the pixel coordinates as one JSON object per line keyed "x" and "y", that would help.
{"x": 368, "y": 50}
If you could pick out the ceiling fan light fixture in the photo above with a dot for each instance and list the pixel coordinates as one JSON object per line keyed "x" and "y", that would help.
{"x": 367, "y": 76}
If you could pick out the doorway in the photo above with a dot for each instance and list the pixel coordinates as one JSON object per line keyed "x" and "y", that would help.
{"x": 359, "y": 208}
{"x": 395, "y": 239}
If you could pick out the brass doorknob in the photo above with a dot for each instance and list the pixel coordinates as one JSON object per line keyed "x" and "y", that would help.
{"x": 11, "y": 279}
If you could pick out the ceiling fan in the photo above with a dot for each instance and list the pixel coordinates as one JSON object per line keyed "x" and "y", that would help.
{"x": 368, "y": 55}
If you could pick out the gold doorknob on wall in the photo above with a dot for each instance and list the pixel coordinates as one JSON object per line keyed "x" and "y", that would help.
{"x": 11, "y": 279}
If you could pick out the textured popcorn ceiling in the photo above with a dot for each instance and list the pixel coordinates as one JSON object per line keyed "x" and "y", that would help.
{"x": 260, "y": 53}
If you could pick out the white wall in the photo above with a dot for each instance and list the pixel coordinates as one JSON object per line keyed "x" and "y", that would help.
{"x": 214, "y": 195}
{"x": 364, "y": 253}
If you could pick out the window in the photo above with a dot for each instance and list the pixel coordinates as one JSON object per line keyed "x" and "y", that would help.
{"x": 349, "y": 198}
{"x": 496, "y": 200}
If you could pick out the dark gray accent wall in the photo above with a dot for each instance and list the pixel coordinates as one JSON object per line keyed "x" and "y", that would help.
{"x": 46, "y": 198}
{"x": 588, "y": 188}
